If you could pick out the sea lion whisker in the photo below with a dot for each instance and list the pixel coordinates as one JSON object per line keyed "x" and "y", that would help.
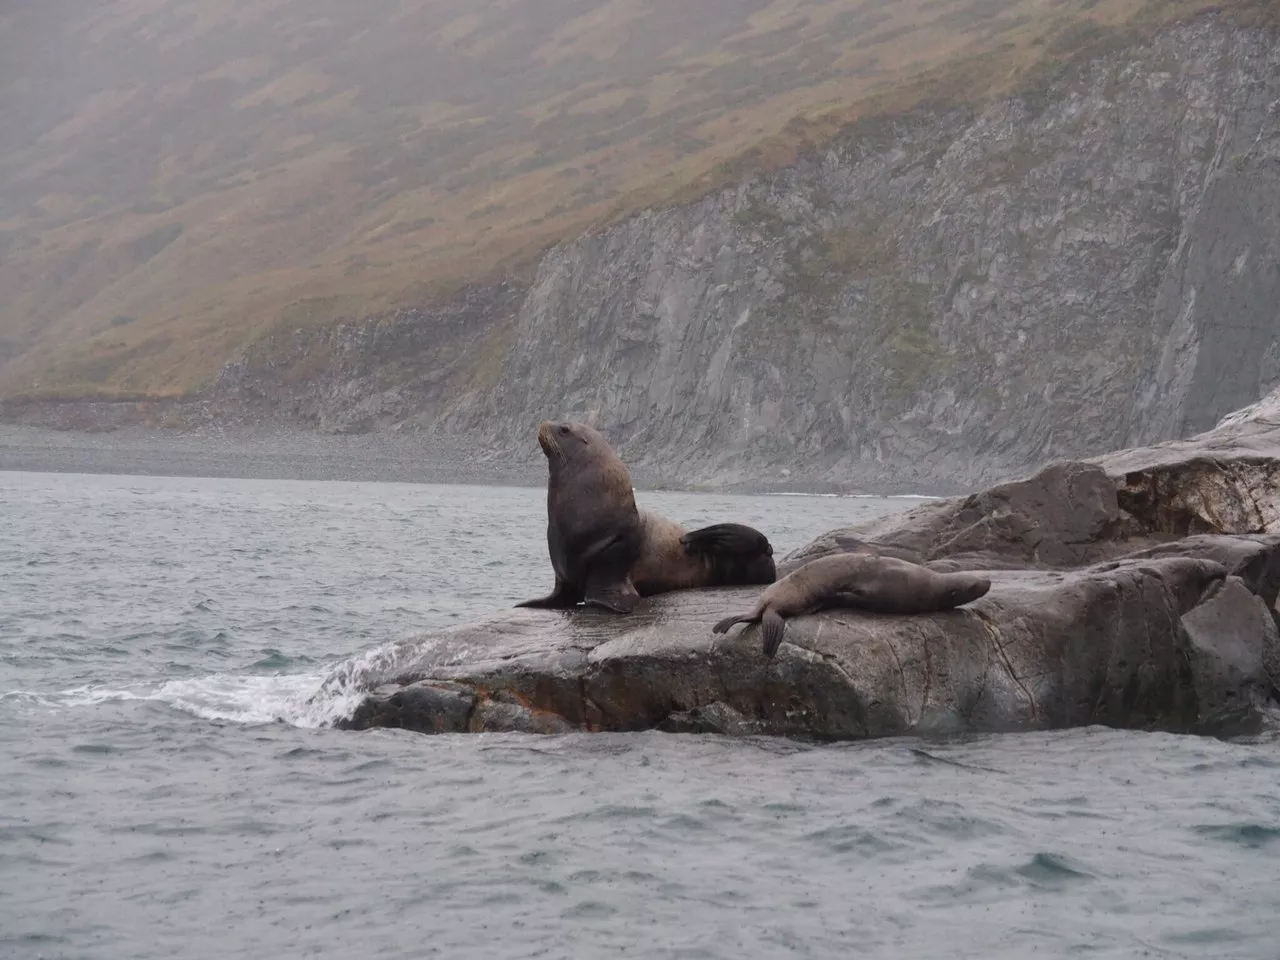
{"x": 547, "y": 440}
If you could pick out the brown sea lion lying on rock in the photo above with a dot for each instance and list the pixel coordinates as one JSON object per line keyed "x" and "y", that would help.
{"x": 862, "y": 581}
{"x": 607, "y": 552}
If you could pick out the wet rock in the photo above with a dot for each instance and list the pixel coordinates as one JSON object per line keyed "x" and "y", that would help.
{"x": 1099, "y": 613}
{"x": 507, "y": 712}
{"x": 1203, "y": 496}
{"x": 429, "y": 706}
{"x": 1226, "y": 479}
{"x": 1233, "y": 651}
{"x": 1065, "y": 515}
{"x": 710, "y": 718}
{"x": 1137, "y": 642}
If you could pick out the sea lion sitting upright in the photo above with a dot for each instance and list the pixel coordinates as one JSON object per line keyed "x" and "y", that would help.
{"x": 593, "y": 526}
{"x": 607, "y": 552}
{"x": 862, "y": 581}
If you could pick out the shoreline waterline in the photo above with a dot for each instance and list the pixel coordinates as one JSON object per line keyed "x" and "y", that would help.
{"x": 250, "y": 454}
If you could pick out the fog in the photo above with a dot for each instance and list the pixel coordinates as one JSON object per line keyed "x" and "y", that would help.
{"x": 174, "y": 175}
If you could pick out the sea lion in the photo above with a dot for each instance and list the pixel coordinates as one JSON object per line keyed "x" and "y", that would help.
{"x": 593, "y": 526}
{"x": 607, "y": 552}
{"x": 721, "y": 555}
{"x": 862, "y": 581}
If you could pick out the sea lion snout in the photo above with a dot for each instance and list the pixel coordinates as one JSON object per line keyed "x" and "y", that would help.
{"x": 970, "y": 589}
{"x": 544, "y": 436}
{"x": 549, "y": 434}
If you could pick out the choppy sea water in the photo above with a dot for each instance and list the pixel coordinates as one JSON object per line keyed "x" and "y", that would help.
{"x": 167, "y": 790}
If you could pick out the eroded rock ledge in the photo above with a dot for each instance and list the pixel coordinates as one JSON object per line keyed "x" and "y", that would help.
{"x": 1138, "y": 590}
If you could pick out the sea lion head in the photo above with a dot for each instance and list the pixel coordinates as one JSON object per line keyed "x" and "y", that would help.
{"x": 965, "y": 588}
{"x": 566, "y": 442}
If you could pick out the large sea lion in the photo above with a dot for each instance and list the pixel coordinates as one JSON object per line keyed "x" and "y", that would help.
{"x": 861, "y": 581}
{"x": 607, "y": 552}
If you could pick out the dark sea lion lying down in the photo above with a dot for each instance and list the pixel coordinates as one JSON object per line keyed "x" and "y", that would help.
{"x": 861, "y": 581}
{"x": 608, "y": 553}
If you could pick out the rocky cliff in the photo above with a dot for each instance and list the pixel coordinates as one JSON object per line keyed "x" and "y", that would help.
{"x": 940, "y": 298}
{"x": 934, "y": 300}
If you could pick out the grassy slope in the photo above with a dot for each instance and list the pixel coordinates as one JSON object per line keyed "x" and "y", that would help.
{"x": 176, "y": 178}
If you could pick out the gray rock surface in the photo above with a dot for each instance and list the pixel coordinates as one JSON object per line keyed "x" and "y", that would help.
{"x": 1096, "y": 615}
{"x": 1172, "y": 642}
{"x": 1236, "y": 482}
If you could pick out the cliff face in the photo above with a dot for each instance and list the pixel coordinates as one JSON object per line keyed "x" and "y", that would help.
{"x": 399, "y": 372}
{"x": 935, "y": 301}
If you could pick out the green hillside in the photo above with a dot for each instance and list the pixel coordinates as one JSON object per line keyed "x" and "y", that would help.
{"x": 177, "y": 178}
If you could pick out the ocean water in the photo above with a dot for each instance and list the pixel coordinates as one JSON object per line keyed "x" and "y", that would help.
{"x": 169, "y": 789}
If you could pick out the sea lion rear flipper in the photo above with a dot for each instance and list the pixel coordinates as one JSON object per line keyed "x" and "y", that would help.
{"x": 620, "y": 596}
{"x": 724, "y": 625}
{"x": 772, "y": 627}
{"x": 564, "y": 595}
{"x": 729, "y": 540}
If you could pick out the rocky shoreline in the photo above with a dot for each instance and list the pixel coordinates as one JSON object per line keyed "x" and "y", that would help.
{"x": 1135, "y": 590}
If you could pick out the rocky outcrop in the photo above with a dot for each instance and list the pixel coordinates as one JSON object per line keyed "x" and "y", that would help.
{"x": 1225, "y": 479}
{"x": 1106, "y": 645}
{"x": 1105, "y": 608}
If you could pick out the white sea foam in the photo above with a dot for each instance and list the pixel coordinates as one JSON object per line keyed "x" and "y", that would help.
{"x": 306, "y": 700}
{"x": 290, "y": 698}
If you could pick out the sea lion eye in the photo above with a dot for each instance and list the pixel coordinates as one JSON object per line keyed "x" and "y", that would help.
{"x": 564, "y": 429}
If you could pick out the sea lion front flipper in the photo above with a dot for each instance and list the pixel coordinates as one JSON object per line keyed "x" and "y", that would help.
{"x": 619, "y": 596}
{"x": 728, "y": 540}
{"x": 606, "y": 565}
{"x": 772, "y": 627}
{"x": 562, "y": 597}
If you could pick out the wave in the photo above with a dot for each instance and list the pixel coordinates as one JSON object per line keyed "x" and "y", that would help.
{"x": 308, "y": 700}
{"x": 287, "y": 698}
